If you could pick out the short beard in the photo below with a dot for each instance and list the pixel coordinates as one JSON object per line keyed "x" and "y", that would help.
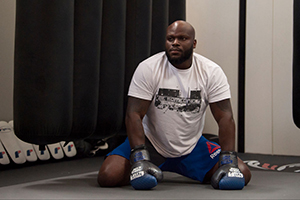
{"x": 185, "y": 56}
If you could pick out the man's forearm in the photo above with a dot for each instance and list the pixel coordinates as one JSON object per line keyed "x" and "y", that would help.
{"x": 135, "y": 131}
{"x": 227, "y": 134}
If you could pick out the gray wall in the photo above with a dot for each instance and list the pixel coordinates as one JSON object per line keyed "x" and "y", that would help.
{"x": 7, "y": 23}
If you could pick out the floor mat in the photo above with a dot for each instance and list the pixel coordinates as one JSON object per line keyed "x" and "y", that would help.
{"x": 272, "y": 162}
{"x": 264, "y": 185}
{"x": 273, "y": 177}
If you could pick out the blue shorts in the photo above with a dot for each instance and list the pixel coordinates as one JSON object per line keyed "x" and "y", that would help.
{"x": 194, "y": 165}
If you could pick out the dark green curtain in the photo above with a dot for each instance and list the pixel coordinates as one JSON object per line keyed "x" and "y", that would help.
{"x": 74, "y": 60}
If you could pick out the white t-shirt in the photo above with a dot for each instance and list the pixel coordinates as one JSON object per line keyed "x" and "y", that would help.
{"x": 175, "y": 119}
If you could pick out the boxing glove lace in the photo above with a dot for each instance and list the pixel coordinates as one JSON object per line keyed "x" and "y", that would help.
{"x": 228, "y": 176}
{"x": 144, "y": 175}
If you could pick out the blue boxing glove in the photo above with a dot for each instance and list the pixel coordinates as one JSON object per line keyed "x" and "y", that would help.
{"x": 144, "y": 175}
{"x": 228, "y": 176}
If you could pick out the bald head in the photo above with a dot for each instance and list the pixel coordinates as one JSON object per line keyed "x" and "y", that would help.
{"x": 182, "y": 26}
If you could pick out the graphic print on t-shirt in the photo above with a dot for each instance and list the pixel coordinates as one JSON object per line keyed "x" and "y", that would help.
{"x": 170, "y": 99}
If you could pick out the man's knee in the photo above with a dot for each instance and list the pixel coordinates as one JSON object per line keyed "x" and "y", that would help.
{"x": 245, "y": 170}
{"x": 114, "y": 172}
{"x": 106, "y": 179}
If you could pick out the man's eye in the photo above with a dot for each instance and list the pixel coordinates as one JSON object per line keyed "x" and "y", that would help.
{"x": 170, "y": 39}
{"x": 183, "y": 38}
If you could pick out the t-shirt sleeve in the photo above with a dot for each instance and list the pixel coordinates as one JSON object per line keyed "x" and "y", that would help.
{"x": 141, "y": 83}
{"x": 219, "y": 88}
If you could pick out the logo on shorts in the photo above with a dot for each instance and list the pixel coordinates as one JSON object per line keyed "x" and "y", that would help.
{"x": 213, "y": 149}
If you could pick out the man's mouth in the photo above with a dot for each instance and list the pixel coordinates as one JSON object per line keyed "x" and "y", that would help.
{"x": 175, "y": 51}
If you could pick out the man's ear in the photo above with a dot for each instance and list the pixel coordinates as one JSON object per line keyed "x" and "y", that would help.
{"x": 195, "y": 43}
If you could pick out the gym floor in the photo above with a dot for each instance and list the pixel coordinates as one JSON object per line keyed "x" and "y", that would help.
{"x": 273, "y": 177}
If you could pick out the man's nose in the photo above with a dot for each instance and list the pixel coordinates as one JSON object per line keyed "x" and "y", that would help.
{"x": 175, "y": 42}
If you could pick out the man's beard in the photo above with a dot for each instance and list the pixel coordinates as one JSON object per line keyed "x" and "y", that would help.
{"x": 185, "y": 56}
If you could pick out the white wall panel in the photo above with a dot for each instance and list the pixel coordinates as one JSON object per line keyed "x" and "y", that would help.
{"x": 258, "y": 98}
{"x": 269, "y": 124}
{"x": 286, "y": 136}
{"x": 217, "y": 26}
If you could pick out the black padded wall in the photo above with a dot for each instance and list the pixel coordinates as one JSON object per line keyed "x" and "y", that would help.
{"x": 296, "y": 64}
{"x": 74, "y": 61}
